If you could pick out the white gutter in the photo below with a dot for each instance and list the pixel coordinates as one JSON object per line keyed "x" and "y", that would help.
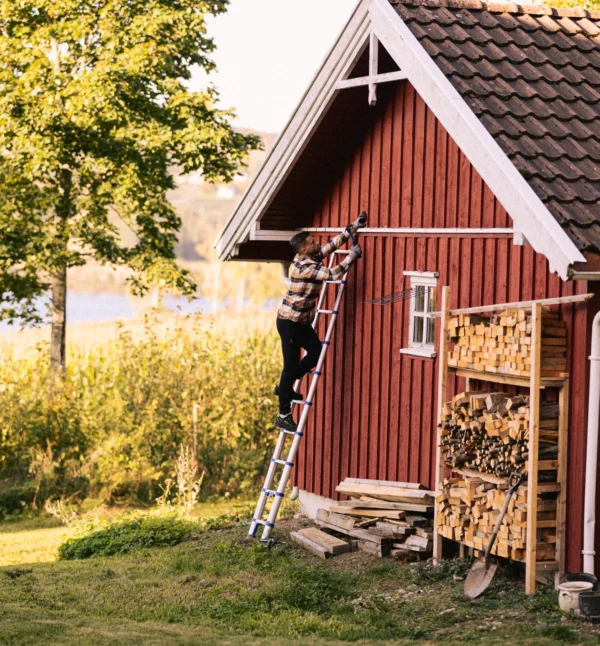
{"x": 591, "y": 460}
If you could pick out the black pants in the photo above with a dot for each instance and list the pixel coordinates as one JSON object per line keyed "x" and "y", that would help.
{"x": 293, "y": 337}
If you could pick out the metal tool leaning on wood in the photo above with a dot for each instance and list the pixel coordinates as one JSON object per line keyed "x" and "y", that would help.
{"x": 298, "y": 309}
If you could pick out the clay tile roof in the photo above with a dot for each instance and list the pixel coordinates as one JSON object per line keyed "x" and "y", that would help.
{"x": 532, "y": 75}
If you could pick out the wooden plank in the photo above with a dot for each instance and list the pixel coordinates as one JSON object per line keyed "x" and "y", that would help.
{"x": 511, "y": 380}
{"x": 394, "y": 494}
{"x": 385, "y": 483}
{"x": 563, "y": 300}
{"x": 441, "y": 400}
{"x": 366, "y": 535}
{"x": 362, "y": 503}
{"x": 309, "y": 545}
{"x": 373, "y": 66}
{"x": 388, "y": 77}
{"x": 371, "y": 513}
{"x": 375, "y": 550}
{"x": 330, "y": 543}
{"x": 338, "y": 520}
{"x": 533, "y": 447}
{"x": 561, "y": 476}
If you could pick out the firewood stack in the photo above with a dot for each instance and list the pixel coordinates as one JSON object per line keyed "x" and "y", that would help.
{"x": 502, "y": 343}
{"x": 382, "y": 518}
{"x": 489, "y": 431}
{"x": 468, "y": 509}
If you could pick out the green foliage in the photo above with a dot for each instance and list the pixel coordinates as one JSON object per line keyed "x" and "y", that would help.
{"x": 128, "y": 536}
{"x": 591, "y": 5}
{"x": 95, "y": 114}
{"x": 113, "y": 428}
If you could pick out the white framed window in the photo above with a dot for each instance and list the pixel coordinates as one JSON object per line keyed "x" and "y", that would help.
{"x": 421, "y": 324}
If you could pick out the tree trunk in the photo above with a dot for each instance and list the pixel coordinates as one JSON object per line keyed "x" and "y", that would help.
{"x": 58, "y": 282}
{"x": 59, "y": 322}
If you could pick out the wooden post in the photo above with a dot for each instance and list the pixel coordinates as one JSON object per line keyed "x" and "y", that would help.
{"x": 373, "y": 67}
{"x": 561, "y": 506}
{"x": 532, "y": 471}
{"x": 442, "y": 386}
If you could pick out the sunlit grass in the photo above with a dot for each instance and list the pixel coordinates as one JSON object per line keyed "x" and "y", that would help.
{"x": 36, "y": 540}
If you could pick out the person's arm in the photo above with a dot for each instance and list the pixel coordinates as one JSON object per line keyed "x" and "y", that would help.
{"x": 344, "y": 236}
{"x": 321, "y": 273}
{"x": 334, "y": 244}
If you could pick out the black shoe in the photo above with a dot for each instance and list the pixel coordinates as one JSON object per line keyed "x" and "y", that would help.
{"x": 286, "y": 423}
{"x": 296, "y": 396}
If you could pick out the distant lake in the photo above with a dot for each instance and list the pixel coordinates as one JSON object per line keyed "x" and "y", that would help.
{"x": 110, "y": 307}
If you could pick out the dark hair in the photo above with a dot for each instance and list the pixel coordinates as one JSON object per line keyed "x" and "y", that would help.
{"x": 298, "y": 240}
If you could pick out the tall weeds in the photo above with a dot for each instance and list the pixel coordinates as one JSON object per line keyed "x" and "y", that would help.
{"x": 113, "y": 428}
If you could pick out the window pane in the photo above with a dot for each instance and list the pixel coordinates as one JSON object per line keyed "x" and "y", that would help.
{"x": 419, "y": 298}
{"x": 430, "y": 330}
{"x": 431, "y": 304}
{"x": 418, "y": 329}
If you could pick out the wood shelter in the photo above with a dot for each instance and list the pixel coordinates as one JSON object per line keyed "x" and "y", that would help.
{"x": 469, "y": 132}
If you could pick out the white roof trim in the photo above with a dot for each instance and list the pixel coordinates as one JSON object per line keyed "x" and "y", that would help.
{"x": 313, "y": 106}
{"x": 528, "y": 212}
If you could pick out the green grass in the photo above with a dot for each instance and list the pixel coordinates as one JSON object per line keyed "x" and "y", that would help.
{"x": 219, "y": 587}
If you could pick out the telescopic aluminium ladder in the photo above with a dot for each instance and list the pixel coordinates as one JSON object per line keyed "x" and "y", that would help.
{"x": 287, "y": 463}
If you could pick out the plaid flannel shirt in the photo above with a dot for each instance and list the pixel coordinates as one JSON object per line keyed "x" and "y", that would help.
{"x": 306, "y": 279}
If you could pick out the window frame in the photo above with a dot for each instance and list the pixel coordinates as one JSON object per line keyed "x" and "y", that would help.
{"x": 420, "y": 349}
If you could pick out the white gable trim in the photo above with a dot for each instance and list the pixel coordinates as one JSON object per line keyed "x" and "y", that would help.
{"x": 531, "y": 218}
{"x": 289, "y": 146}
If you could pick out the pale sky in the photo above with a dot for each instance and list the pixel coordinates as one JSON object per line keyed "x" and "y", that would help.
{"x": 267, "y": 53}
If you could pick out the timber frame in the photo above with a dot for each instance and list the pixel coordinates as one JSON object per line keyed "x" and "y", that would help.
{"x": 373, "y": 22}
{"x": 536, "y": 384}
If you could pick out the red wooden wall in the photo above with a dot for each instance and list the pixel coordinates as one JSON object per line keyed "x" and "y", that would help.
{"x": 374, "y": 415}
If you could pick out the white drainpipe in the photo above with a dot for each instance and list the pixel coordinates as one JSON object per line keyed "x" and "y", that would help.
{"x": 589, "y": 524}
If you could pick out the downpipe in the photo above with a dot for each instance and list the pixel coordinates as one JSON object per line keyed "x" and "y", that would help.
{"x": 591, "y": 461}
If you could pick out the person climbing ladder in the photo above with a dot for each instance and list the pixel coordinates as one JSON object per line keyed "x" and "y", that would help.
{"x": 296, "y": 313}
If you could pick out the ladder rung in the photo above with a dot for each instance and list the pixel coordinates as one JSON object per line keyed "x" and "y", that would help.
{"x": 298, "y": 433}
{"x": 287, "y": 464}
{"x": 262, "y": 522}
{"x": 327, "y": 312}
{"x": 335, "y": 282}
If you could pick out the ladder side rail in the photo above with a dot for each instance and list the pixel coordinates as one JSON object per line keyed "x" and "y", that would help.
{"x": 262, "y": 500}
{"x": 302, "y": 423}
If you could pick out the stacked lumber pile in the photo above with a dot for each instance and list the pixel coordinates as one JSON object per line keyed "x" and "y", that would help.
{"x": 489, "y": 432}
{"x": 468, "y": 509}
{"x": 383, "y": 518}
{"x": 502, "y": 343}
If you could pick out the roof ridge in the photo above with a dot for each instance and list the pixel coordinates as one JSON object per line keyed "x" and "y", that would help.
{"x": 507, "y": 7}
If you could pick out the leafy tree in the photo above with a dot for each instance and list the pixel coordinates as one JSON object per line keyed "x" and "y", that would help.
{"x": 94, "y": 115}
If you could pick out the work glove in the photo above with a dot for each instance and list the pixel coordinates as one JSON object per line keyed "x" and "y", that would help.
{"x": 355, "y": 252}
{"x": 359, "y": 223}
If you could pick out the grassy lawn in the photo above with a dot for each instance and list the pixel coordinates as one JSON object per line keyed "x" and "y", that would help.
{"x": 221, "y": 588}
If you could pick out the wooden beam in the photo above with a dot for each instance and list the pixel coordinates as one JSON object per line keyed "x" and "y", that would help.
{"x": 373, "y": 67}
{"x": 523, "y": 304}
{"x": 534, "y": 424}
{"x": 442, "y": 387}
{"x": 388, "y": 77}
{"x": 561, "y": 505}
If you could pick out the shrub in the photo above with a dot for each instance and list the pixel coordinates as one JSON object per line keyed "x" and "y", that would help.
{"x": 113, "y": 428}
{"x": 127, "y": 536}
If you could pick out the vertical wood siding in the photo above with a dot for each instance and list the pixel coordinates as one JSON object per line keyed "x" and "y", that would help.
{"x": 374, "y": 415}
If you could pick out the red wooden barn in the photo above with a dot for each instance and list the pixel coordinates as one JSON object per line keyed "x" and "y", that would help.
{"x": 471, "y": 135}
